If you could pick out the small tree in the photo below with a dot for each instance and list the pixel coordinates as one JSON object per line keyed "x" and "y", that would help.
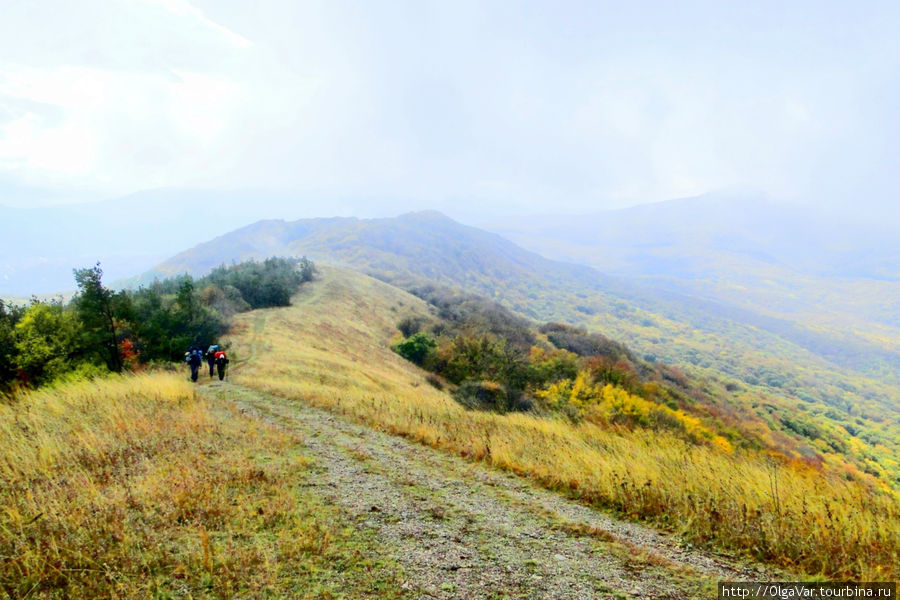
{"x": 307, "y": 269}
{"x": 187, "y": 303}
{"x": 94, "y": 304}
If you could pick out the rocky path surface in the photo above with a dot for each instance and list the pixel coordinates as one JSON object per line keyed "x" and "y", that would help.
{"x": 464, "y": 530}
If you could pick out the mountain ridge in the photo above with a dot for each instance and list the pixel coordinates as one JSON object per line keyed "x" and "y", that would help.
{"x": 433, "y": 247}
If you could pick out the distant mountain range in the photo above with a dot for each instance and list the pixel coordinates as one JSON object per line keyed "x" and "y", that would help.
{"x": 787, "y": 262}
{"x": 693, "y": 237}
{"x": 423, "y": 244}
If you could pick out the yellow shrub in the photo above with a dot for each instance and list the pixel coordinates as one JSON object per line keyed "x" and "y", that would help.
{"x": 613, "y": 405}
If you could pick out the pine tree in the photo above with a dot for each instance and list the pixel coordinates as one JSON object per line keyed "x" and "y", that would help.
{"x": 95, "y": 306}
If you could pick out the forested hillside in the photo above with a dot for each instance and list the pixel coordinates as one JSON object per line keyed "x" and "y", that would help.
{"x": 830, "y": 284}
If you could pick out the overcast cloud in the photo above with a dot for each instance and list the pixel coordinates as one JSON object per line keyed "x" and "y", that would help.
{"x": 495, "y": 106}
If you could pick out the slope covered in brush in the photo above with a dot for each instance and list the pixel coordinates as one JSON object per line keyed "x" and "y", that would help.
{"x": 332, "y": 349}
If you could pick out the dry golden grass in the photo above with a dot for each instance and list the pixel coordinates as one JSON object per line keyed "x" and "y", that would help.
{"x": 332, "y": 349}
{"x": 134, "y": 487}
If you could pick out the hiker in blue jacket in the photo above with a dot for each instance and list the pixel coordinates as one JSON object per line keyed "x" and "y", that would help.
{"x": 211, "y": 359}
{"x": 194, "y": 358}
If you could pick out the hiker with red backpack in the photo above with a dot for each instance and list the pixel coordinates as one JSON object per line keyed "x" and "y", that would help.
{"x": 221, "y": 361}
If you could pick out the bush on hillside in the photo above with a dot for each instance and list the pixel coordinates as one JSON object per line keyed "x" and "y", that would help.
{"x": 416, "y": 348}
{"x": 482, "y": 357}
{"x": 483, "y": 395}
{"x": 582, "y": 343}
{"x": 410, "y": 326}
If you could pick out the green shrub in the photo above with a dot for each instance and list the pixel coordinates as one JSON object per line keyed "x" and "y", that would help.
{"x": 416, "y": 347}
{"x": 48, "y": 342}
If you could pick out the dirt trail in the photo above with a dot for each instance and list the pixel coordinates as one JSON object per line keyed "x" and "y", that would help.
{"x": 463, "y": 530}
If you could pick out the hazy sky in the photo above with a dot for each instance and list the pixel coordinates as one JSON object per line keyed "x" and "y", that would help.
{"x": 490, "y": 105}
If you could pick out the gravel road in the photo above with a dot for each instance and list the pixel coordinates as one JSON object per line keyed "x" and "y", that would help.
{"x": 464, "y": 530}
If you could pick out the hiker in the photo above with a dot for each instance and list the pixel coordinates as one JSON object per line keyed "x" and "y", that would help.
{"x": 211, "y": 358}
{"x": 194, "y": 358}
{"x": 221, "y": 361}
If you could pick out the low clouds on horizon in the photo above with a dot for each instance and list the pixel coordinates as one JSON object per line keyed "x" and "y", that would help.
{"x": 503, "y": 106}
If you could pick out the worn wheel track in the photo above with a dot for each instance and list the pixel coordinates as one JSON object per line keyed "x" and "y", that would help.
{"x": 463, "y": 530}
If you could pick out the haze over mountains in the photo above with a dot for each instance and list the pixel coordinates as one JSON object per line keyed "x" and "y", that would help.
{"x": 676, "y": 240}
{"x": 41, "y": 245}
{"x": 739, "y": 249}
{"x": 693, "y": 237}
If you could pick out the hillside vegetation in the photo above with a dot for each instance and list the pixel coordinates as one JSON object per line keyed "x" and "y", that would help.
{"x": 830, "y": 285}
{"x": 135, "y": 487}
{"x": 103, "y": 330}
{"x": 803, "y": 391}
{"x": 500, "y": 362}
{"x": 332, "y": 349}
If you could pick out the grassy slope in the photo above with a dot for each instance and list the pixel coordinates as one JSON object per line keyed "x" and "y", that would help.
{"x": 134, "y": 487}
{"x": 332, "y": 350}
